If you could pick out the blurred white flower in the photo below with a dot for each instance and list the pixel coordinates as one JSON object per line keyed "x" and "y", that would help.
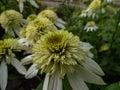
{"x": 52, "y": 16}
{"x": 7, "y": 56}
{"x": 108, "y": 1}
{"x": 21, "y": 4}
{"x": 60, "y": 53}
{"x": 83, "y": 14}
{"x": 90, "y": 26}
{"x": 119, "y": 24}
{"x": 12, "y": 21}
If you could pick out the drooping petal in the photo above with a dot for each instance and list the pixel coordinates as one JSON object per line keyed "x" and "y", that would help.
{"x": 32, "y": 2}
{"x": 32, "y": 71}
{"x": 3, "y": 75}
{"x": 61, "y": 21}
{"x": 89, "y": 76}
{"x": 86, "y": 46}
{"x": 92, "y": 66}
{"x": 23, "y": 41}
{"x": 46, "y": 82}
{"x": 60, "y": 25}
{"x": 19, "y": 67}
{"x": 55, "y": 82}
{"x": 10, "y": 31}
{"x": 27, "y": 60}
{"x": 76, "y": 82}
{"x": 21, "y": 6}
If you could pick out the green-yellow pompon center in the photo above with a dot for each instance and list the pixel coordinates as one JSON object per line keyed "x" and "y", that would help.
{"x": 50, "y": 14}
{"x": 58, "y": 51}
{"x": 11, "y": 19}
{"x": 7, "y": 47}
{"x": 91, "y": 23}
{"x": 95, "y": 5}
{"x": 38, "y": 27}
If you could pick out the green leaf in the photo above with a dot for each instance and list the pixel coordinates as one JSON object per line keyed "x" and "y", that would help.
{"x": 66, "y": 84}
{"x": 104, "y": 47}
{"x": 39, "y": 87}
{"x": 114, "y": 86}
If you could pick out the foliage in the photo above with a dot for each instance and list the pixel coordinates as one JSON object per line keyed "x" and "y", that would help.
{"x": 105, "y": 40}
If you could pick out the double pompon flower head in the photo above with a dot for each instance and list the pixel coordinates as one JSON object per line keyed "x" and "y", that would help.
{"x": 12, "y": 21}
{"x": 91, "y": 10}
{"x": 52, "y": 16}
{"x": 59, "y": 54}
{"x": 7, "y": 56}
{"x": 36, "y": 28}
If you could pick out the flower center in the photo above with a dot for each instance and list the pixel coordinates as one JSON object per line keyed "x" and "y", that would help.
{"x": 90, "y": 23}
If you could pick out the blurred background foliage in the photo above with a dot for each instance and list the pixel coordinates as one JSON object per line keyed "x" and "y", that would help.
{"x": 106, "y": 41}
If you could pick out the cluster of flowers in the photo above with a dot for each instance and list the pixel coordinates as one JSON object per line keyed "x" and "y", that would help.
{"x": 91, "y": 12}
{"x": 53, "y": 51}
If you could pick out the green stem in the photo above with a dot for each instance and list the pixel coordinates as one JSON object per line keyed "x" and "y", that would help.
{"x": 38, "y": 78}
{"x": 113, "y": 36}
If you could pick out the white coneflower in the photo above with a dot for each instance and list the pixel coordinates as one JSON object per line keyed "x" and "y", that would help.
{"x": 61, "y": 53}
{"x": 12, "y": 21}
{"x": 91, "y": 10}
{"x": 39, "y": 27}
{"x": 21, "y": 4}
{"x": 52, "y": 16}
{"x": 7, "y": 56}
{"x": 34, "y": 30}
{"x": 91, "y": 26}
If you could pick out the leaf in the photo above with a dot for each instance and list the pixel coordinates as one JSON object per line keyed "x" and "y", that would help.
{"x": 66, "y": 84}
{"x": 39, "y": 87}
{"x": 104, "y": 47}
{"x": 114, "y": 86}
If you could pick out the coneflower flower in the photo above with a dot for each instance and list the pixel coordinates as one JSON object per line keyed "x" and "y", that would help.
{"x": 39, "y": 27}
{"x": 7, "y": 56}
{"x": 12, "y": 21}
{"x": 91, "y": 26}
{"x": 21, "y": 4}
{"x": 35, "y": 29}
{"x": 52, "y": 16}
{"x": 59, "y": 54}
{"x": 91, "y": 10}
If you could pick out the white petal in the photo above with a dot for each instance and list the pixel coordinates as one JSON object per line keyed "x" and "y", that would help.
{"x": 21, "y": 6}
{"x": 32, "y": 2}
{"x": 32, "y": 71}
{"x": 55, "y": 82}
{"x": 59, "y": 25}
{"x": 10, "y": 31}
{"x": 90, "y": 54}
{"x": 91, "y": 65}
{"x": 46, "y": 82}
{"x": 23, "y": 41}
{"x": 19, "y": 67}
{"x": 76, "y": 82}
{"x": 60, "y": 21}
{"x": 27, "y": 60}
{"x": 17, "y": 30}
{"x": 86, "y": 46}
{"x": 3, "y": 75}
{"x": 89, "y": 76}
